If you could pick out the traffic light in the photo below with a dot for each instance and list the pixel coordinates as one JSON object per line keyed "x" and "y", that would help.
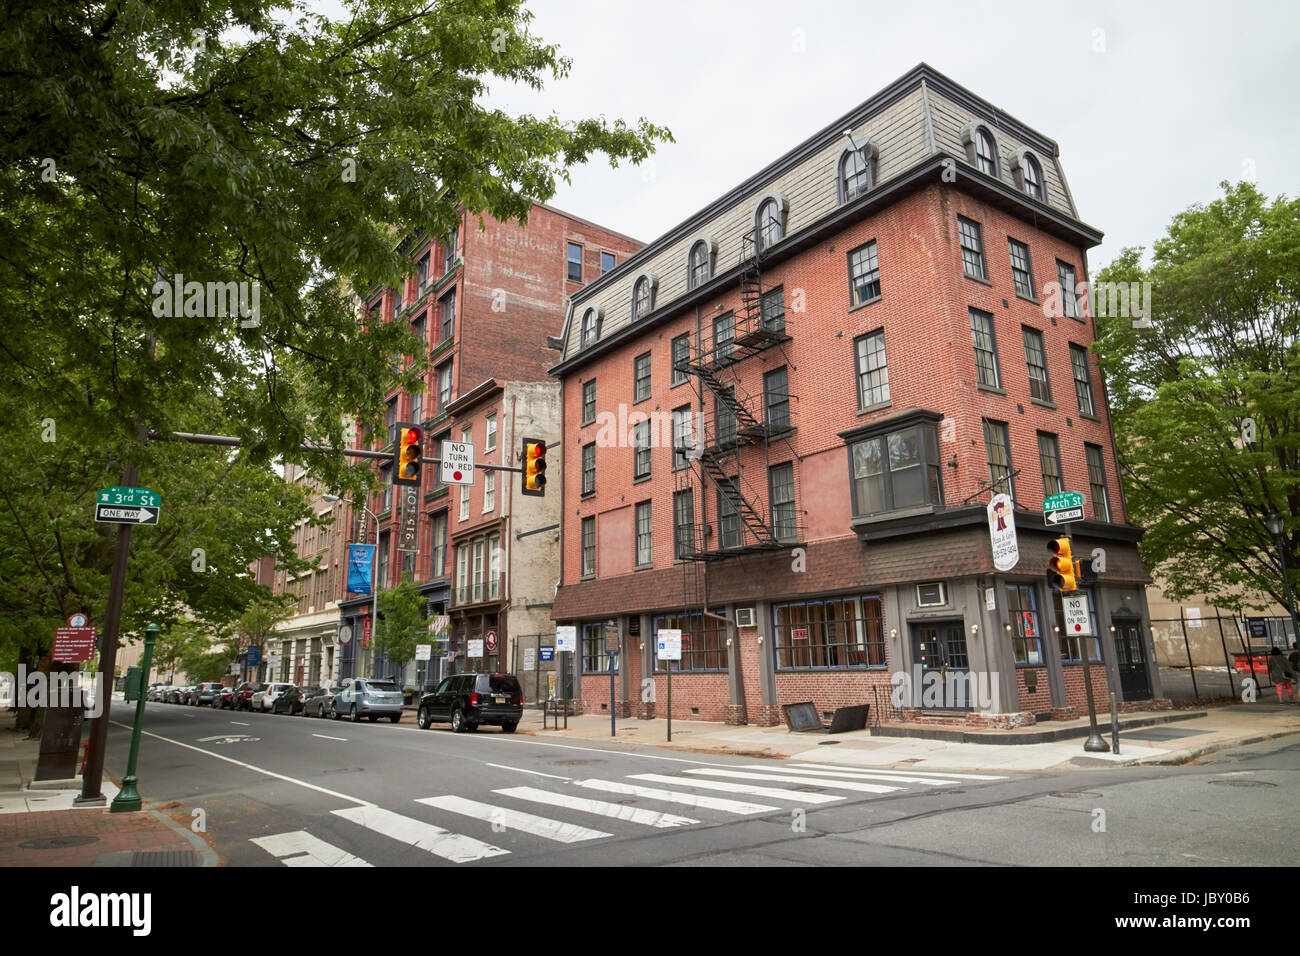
{"x": 534, "y": 467}
{"x": 1060, "y": 570}
{"x": 406, "y": 459}
{"x": 1084, "y": 572}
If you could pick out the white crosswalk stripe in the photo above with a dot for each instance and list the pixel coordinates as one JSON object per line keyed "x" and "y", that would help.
{"x": 514, "y": 819}
{"x": 673, "y": 796}
{"x": 300, "y": 848}
{"x": 954, "y": 775}
{"x": 616, "y": 810}
{"x": 421, "y": 835}
{"x": 813, "y": 774}
{"x": 777, "y": 793}
{"x": 792, "y": 778}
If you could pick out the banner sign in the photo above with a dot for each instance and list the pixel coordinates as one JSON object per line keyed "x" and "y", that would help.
{"x": 360, "y": 559}
{"x": 1002, "y": 533}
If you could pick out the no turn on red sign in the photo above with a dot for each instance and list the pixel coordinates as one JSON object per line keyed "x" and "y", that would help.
{"x": 457, "y": 466}
{"x": 1077, "y": 620}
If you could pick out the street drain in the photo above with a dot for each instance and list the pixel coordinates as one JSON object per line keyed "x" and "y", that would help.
{"x": 1243, "y": 783}
{"x": 58, "y": 842}
{"x": 1075, "y": 794}
{"x": 169, "y": 858}
{"x": 824, "y": 743}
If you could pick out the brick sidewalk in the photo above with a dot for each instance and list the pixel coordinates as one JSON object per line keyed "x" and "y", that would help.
{"x": 91, "y": 838}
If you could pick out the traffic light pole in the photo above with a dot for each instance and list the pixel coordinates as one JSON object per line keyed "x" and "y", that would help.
{"x": 1095, "y": 743}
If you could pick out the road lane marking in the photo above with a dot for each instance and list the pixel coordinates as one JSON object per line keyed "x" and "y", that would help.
{"x": 544, "y": 827}
{"x": 672, "y": 796}
{"x": 423, "y": 836}
{"x": 328, "y": 737}
{"x": 618, "y": 811}
{"x": 536, "y": 773}
{"x": 814, "y": 774}
{"x": 240, "y": 723}
{"x": 901, "y": 774}
{"x": 286, "y": 847}
{"x": 744, "y": 788}
{"x": 792, "y": 778}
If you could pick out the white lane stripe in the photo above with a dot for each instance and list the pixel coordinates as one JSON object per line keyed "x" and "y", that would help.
{"x": 672, "y": 796}
{"x": 792, "y": 778}
{"x": 544, "y": 827}
{"x": 814, "y": 774}
{"x": 955, "y": 775}
{"x": 774, "y": 792}
{"x": 239, "y": 722}
{"x": 650, "y": 818}
{"x": 328, "y": 737}
{"x": 421, "y": 835}
{"x": 535, "y": 773}
{"x": 316, "y": 852}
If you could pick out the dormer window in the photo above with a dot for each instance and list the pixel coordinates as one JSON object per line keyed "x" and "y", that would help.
{"x": 699, "y": 264}
{"x": 985, "y": 152}
{"x": 771, "y": 228}
{"x": 855, "y": 177}
{"x": 642, "y": 298}
{"x": 1033, "y": 176}
{"x": 590, "y": 327}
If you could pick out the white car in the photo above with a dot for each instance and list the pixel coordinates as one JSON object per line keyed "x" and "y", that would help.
{"x": 265, "y": 697}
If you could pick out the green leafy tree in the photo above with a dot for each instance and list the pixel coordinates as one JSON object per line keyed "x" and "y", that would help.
{"x": 1206, "y": 401}
{"x": 402, "y": 624}
{"x": 259, "y": 621}
{"x": 182, "y": 640}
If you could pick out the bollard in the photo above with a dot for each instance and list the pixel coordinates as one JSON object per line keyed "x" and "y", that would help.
{"x": 1114, "y": 725}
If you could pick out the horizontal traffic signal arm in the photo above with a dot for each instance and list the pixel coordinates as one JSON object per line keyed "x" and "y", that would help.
{"x": 229, "y": 441}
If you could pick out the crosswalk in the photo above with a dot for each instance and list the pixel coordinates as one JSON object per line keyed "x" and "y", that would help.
{"x": 507, "y": 812}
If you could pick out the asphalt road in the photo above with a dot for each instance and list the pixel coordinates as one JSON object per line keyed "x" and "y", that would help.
{"x": 303, "y": 792}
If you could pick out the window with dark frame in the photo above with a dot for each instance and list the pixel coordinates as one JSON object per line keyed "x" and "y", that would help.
{"x": 770, "y": 227}
{"x": 589, "y": 545}
{"x": 772, "y": 310}
{"x": 855, "y": 175}
{"x": 589, "y": 468}
{"x": 729, "y": 535}
{"x": 681, "y": 355}
{"x": 781, "y": 493}
{"x": 704, "y": 642}
{"x": 724, "y": 334}
{"x": 444, "y": 386}
{"x": 606, "y": 262}
{"x": 437, "y": 472}
{"x": 873, "y": 369}
{"x": 1022, "y": 272}
{"x": 447, "y": 311}
{"x": 1033, "y": 177}
{"x": 829, "y": 634}
{"x": 417, "y": 407}
{"x": 985, "y": 152}
{"x": 985, "y": 345}
{"x": 590, "y": 328}
{"x": 1071, "y": 646}
{"x": 724, "y": 419}
{"x": 1082, "y": 380}
{"x": 864, "y": 274}
{"x": 643, "y": 300}
{"x": 699, "y": 264}
{"x": 896, "y": 470}
{"x": 972, "y": 248}
{"x": 390, "y": 421}
{"x": 776, "y": 399}
{"x": 1026, "y": 635}
{"x": 1036, "y": 360}
{"x": 683, "y": 437}
{"x": 683, "y": 522}
{"x": 594, "y": 658}
{"x": 997, "y": 449}
{"x": 420, "y": 332}
{"x": 588, "y": 402}
{"x": 422, "y": 275}
{"x": 449, "y": 250}
{"x": 1097, "y": 482}
{"x": 575, "y": 262}
{"x": 438, "y": 538}
{"x": 644, "y": 527}
{"x": 641, "y": 450}
{"x": 1049, "y": 461}
{"x": 399, "y": 293}
{"x": 1069, "y": 290}
{"x": 641, "y": 377}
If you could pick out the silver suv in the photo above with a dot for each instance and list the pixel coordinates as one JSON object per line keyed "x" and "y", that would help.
{"x": 367, "y": 697}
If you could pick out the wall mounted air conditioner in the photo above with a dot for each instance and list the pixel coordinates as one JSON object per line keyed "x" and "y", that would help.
{"x": 744, "y": 617}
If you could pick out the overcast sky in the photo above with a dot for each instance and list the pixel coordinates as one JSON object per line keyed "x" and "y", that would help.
{"x": 1153, "y": 104}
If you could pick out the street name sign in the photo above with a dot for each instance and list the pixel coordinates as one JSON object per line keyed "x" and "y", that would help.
{"x": 1063, "y": 508}
{"x": 1077, "y": 620}
{"x": 129, "y": 497}
{"x": 457, "y": 463}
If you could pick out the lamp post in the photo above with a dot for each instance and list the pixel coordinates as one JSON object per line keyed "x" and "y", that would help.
{"x": 1275, "y": 525}
{"x": 374, "y": 572}
{"x": 128, "y": 798}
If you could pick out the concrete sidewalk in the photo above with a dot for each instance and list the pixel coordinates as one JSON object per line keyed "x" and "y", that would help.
{"x": 42, "y": 827}
{"x": 1174, "y": 742}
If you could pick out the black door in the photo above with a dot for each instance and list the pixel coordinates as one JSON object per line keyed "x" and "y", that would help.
{"x": 940, "y": 649}
{"x": 1134, "y": 681}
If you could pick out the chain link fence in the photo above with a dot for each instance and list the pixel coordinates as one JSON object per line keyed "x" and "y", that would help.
{"x": 1211, "y": 658}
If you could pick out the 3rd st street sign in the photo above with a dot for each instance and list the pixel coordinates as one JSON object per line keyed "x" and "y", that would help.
{"x": 119, "y": 505}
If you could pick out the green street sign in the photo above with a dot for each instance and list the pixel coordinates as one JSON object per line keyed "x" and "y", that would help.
{"x": 1066, "y": 499}
{"x": 129, "y": 497}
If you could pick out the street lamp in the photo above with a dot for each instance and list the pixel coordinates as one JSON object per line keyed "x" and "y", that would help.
{"x": 1273, "y": 521}
{"x": 374, "y": 572}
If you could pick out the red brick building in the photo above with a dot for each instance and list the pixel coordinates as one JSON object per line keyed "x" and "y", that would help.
{"x": 785, "y": 420}
{"x": 485, "y": 299}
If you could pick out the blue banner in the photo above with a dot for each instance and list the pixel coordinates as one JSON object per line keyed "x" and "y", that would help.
{"x": 360, "y": 559}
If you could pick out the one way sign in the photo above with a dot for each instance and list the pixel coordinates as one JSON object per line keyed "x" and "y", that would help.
{"x": 116, "y": 514}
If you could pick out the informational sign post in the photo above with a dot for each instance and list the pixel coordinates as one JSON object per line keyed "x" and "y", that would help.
{"x": 424, "y": 652}
{"x": 668, "y": 648}
{"x": 566, "y": 638}
{"x": 476, "y": 649}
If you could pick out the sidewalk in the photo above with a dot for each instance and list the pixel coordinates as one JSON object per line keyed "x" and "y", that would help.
{"x": 1144, "y": 743}
{"x": 41, "y": 827}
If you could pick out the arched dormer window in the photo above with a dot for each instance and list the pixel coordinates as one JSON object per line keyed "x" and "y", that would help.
{"x": 981, "y": 148}
{"x": 771, "y": 224}
{"x": 856, "y": 171}
{"x": 643, "y": 295}
{"x": 1031, "y": 175}
{"x": 700, "y": 265}
{"x": 591, "y": 327}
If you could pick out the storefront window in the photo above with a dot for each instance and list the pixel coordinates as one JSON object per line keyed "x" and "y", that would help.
{"x": 841, "y": 632}
{"x": 1069, "y": 644}
{"x": 1026, "y": 636}
{"x": 704, "y": 642}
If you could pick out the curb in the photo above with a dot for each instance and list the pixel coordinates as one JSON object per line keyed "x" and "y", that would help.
{"x": 1175, "y": 760}
{"x": 207, "y": 855}
{"x": 1047, "y": 735}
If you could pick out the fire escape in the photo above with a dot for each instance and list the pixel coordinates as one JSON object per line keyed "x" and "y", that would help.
{"x": 732, "y": 419}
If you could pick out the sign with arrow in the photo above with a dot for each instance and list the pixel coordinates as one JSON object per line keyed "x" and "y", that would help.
{"x": 113, "y": 514}
{"x": 1063, "y": 508}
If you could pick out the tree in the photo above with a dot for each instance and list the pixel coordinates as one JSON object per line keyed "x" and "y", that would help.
{"x": 260, "y": 620}
{"x": 1206, "y": 401}
{"x": 404, "y": 624}
{"x": 178, "y": 642}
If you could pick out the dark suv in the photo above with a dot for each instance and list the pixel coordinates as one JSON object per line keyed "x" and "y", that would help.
{"x": 468, "y": 700}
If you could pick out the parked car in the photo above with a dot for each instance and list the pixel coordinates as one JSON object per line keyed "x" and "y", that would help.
{"x": 174, "y": 694}
{"x": 156, "y": 692}
{"x": 318, "y": 702}
{"x": 243, "y": 696}
{"x": 225, "y": 698}
{"x": 290, "y": 700}
{"x": 467, "y": 701}
{"x": 266, "y": 696}
{"x": 367, "y": 697}
{"x": 205, "y": 693}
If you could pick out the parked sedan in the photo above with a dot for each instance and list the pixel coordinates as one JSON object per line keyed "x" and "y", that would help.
{"x": 367, "y": 697}
{"x": 318, "y": 702}
{"x": 243, "y": 696}
{"x": 224, "y": 699}
{"x": 265, "y": 698}
{"x": 290, "y": 700}
{"x": 468, "y": 700}
{"x": 175, "y": 695}
{"x": 205, "y": 693}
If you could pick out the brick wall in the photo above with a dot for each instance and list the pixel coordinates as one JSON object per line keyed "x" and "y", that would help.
{"x": 1076, "y": 693}
{"x": 1040, "y": 701}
